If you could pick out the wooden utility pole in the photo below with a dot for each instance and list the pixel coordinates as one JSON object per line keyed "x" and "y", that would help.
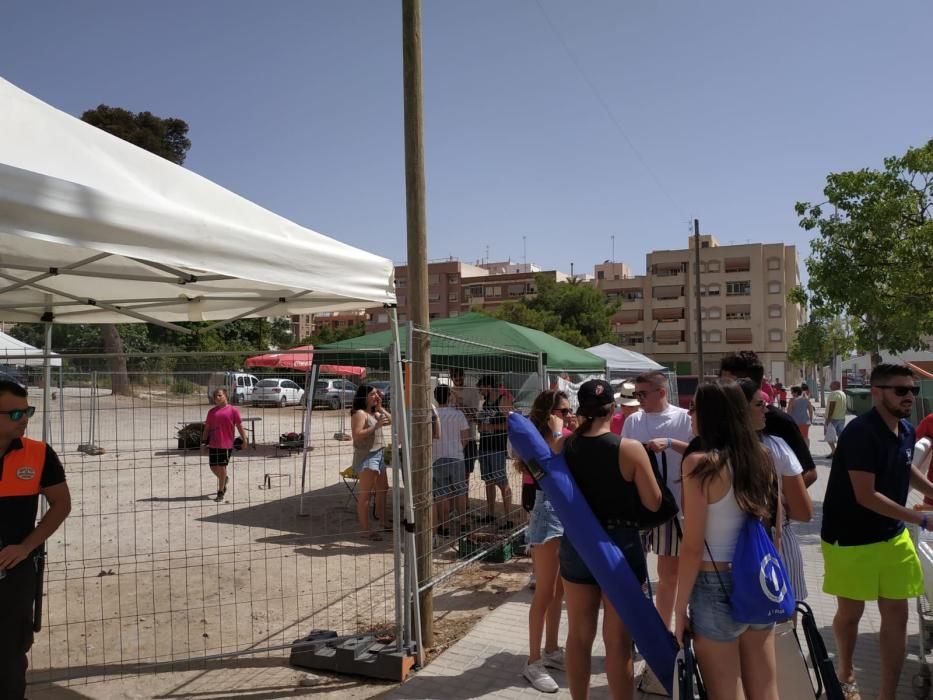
{"x": 696, "y": 273}
{"x": 418, "y": 308}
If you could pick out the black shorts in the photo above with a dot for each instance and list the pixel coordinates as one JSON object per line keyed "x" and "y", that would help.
{"x": 218, "y": 457}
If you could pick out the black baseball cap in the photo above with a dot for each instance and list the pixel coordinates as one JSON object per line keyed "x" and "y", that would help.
{"x": 592, "y": 396}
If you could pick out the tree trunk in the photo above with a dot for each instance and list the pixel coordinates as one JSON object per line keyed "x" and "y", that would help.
{"x": 113, "y": 343}
{"x": 875, "y": 358}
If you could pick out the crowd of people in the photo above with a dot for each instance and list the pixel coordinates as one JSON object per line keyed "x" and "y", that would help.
{"x": 732, "y": 457}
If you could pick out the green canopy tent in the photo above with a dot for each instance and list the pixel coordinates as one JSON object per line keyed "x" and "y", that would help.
{"x": 475, "y": 341}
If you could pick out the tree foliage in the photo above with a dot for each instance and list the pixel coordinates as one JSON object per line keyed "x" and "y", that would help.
{"x": 165, "y": 136}
{"x": 576, "y": 313}
{"x": 328, "y": 334}
{"x": 818, "y": 340}
{"x": 873, "y": 258}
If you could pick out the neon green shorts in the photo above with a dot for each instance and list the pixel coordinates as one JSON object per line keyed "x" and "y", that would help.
{"x": 888, "y": 569}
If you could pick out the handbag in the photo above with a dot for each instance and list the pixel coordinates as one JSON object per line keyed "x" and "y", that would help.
{"x": 829, "y": 432}
{"x": 646, "y": 519}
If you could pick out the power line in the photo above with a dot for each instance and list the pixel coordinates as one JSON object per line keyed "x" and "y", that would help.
{"x": 605, "y": 105}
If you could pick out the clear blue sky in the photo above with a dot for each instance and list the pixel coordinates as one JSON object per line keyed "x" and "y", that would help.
{"x": 565, "y": 122}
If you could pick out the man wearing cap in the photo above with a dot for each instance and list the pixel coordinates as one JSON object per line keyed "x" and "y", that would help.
{"x": 27, "y": 468}
{"x": 628, "y": 404}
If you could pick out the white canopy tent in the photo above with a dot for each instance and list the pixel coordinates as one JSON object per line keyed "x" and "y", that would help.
{"x": 16, "y": 353}
{"x": 620, "y": 360}
{"x": 96, "y": 230}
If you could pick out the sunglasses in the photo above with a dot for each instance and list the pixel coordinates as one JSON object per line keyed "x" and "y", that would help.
{"x": 563, "y": 411}
{"x": 900, "y": 390}
{"x": 643, "y": 394}
{"x": 19, "y": 413}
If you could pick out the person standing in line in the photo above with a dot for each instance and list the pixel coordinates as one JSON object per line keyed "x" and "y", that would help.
{"x": 493, "y": 443}
{"x": 368, "y": 418}
{"x": 450, "y": 485}
{"x": 662, "y": 428}
{"x": 730, "y": 479}
{"x": 868, "y": 554}
{"x": 801, "y": 410}
{"x": 781, "y": 395}
{"x": 549, "y": 413}
{"x": 835, "y": 414}
{"x": 28, "y": 468}
{"x": 612, "y": 474}
{"x": 219, "y": 425}
{"x": 469, "y": 401}
{"x": 627, "y": 403}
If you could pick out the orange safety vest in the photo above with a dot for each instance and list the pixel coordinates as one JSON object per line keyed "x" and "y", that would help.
{"x": 22, "y": 469}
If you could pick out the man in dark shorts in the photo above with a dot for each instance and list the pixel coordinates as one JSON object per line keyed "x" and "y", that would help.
{"x": 28, "y": 468}
{"x": 493, "y": 444}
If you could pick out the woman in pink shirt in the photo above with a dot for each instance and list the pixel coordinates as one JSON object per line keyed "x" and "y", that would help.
{"x": 218, "y": 437}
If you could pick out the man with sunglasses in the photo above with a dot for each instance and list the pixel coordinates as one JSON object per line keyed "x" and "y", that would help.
{"x": 29, "y": 468}
{"x": 867, "y": 551}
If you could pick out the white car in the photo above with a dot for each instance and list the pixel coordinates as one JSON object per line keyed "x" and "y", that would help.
{"x": 277, "y": 391}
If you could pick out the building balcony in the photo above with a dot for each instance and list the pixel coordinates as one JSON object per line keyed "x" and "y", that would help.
{"x": 669, "y": 303}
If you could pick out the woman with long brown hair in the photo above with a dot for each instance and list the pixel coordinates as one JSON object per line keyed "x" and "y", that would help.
{"x": 730, "y": 479}
{"x": 548, "y": 414}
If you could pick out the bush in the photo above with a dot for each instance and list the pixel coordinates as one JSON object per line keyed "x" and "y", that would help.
{"x": 184, "y": 387}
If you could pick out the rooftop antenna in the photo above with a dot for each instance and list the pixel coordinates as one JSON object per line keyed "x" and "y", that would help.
{"x": 487, "y": 252}
{"x": 613, "y": 257}
{"x": 524, "y": 250}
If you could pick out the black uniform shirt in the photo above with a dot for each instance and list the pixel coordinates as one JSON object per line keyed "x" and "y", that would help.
{"x": 18, "y": 513}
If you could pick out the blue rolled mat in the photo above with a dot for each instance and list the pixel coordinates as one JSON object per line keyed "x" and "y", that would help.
{"x": 601, "y": 555}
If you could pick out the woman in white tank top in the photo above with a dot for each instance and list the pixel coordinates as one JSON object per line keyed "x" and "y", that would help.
{"x": 730, "y": 479}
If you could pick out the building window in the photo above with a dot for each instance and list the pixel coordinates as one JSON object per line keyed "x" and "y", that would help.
{"x": 434, "y": 315}
{"x": 774, "y": 287}
{"x": 434, "y": 279}
{"x": 516, "y": 290}
{"x": 632, "y": 294}
{"x": 738, "y": 264}
{"x": 774, "y": 263}
{"x": 715, "y": 336}
{"x": 453, "y": 296}
{"x": 453, "y": 279}
{"x": 454, "y": 313}
{"x": 600, "y": 275}
{"x": 433, "y": 296}
{"x": 400, "y": 283}
{"x": 742, "y": 312}
{"x": 667, "y": 313}
{"x": 775, "y": 311}
{"x": 493, "y": 291}
{"x": 702, "y": 290}
{"x": 476, "y": 291}
{"x": 715, "y": 312}
{"x": 775, "y": 336}
{"x": 400, "y": 299}
{"x": 382, "y": 318}
{"x": 741, "y": 288}
{"x": 713, "y": 290}
{"x": 738, "y": 336}
{"x": 702, "y": 267}
{"x": 713, "y": 266}
{"x": 670, "y": 292}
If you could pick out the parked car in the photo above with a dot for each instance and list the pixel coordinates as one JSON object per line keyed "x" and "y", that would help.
{"x": 239, "y": 385}
{"x": 277, "y": 391}
{"x": 334, "y": 393}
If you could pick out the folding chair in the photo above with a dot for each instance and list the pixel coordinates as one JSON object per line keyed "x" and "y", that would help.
{"x": 350, "y": 480}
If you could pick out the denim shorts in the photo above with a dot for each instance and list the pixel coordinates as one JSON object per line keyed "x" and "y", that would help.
{"x": 710, "y": 614}
{"x": 575, "y": 570}
{"x": 374, "y": 461}
{"x": 492, "y": 468}
{"x": 448, "y": 477}
{"x": 839, "y": 424}
{"x": 543, "y": 523}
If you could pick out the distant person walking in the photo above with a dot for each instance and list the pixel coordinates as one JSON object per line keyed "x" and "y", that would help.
{"x": 493, "y": 443}
{"x": 217, "y": 436}
{"x": 368, "y": 417}
{"x": 835, "y": 415}
{"x": 449, "y": 478}
{"x": 801, "y": 410}
{"x": 868, "y": 554}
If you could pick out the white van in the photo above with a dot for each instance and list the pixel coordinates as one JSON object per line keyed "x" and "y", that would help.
{"x": 239, "y": 385}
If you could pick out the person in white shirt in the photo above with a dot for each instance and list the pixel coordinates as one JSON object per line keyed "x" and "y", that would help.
{"x": 449, "y": 476}
{"x": 469, "y": 401}
{"x": 664, "y": 429}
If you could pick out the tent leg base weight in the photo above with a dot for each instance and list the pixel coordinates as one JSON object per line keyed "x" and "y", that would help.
{"x": 361, "y": 655}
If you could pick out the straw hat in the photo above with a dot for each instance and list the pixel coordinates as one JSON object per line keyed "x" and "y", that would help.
{"x": 625, "y": 394}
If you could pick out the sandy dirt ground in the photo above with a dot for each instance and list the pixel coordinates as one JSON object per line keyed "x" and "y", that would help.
{"x": 150, "y": 570}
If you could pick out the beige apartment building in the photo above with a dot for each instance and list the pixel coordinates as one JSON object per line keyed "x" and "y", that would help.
{"x": 304, "y": 325}
{"x": 743, "y": 297}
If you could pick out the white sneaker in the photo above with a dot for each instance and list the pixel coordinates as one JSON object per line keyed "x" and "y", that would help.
{"x": 539, "y": 678}
{"x": 554, "y": 659}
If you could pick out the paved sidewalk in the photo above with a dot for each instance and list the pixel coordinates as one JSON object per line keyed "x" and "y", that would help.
{"x": 488, "y": 662}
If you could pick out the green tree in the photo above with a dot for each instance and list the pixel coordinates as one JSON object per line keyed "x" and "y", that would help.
{"x": 165, "y": 137}
{"x": 818, "y": 341}
{"x": 871, "y": 261}
{"x": 328, "y": 334}
{"x": 576, "y": 313}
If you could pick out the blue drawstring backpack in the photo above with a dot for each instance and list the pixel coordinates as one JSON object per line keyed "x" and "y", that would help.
{"x": 761, "y": 590}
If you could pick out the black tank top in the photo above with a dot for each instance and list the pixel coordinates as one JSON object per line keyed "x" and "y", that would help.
{"x": 594, "y": 464}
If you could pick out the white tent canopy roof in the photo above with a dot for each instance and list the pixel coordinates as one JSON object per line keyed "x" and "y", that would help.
{"x": 96, "y": 230}
{"x": 622, "y": 360}
{"x": 16, "y": 353}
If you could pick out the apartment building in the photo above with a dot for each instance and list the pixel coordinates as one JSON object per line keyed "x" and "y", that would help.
{"x": 304, "y": 325}
{"x": 743, "y": 299}
{"x": 487, "y": 293}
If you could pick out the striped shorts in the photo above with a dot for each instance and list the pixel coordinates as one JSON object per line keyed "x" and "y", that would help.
{"x": 663, "y": 541}
{"x": 793, "y": 561}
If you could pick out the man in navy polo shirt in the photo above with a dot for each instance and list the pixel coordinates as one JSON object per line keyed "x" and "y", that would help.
{"x": 867, "y": 552}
